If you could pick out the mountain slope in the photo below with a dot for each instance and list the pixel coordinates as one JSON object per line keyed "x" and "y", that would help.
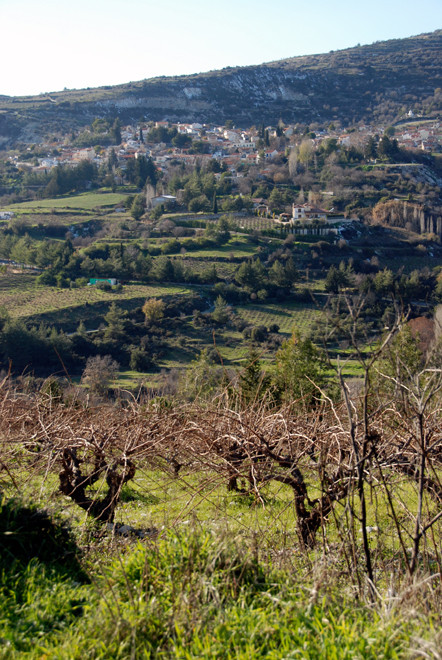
{"x": 369, "y": 83}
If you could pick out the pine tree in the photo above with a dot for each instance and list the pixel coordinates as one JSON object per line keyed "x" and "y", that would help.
{"x": 299, "y": 372}
{"x": 138, "y": 207}
{"x": 221, "y": 312}
{"x": 291, "y": 271}
{"x": 252, "y": 381}
{"x": 81, "y": 330}
{"x": 277, "y": 275}
{"x": 115, "y": 319}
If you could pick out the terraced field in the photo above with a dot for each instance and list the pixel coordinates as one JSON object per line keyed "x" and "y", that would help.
{"x": 22, "y": 299}
{"x": 224, "y": 269}
{"x": 254, "y": 222}
{"x": 239, "y": 247}
{"x": 16, "y": 282}
{"x": 288, "y": 316}
{"x": 87, "y": 201}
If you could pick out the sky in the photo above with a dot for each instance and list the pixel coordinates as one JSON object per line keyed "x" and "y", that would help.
{"x": 50, "y": 45}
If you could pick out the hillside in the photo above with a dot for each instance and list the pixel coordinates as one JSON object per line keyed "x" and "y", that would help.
{"x": 373, "y": 83}
{"x": 220, "y": 359}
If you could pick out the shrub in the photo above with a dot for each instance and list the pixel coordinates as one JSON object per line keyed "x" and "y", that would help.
{"x": 259, "y": 333}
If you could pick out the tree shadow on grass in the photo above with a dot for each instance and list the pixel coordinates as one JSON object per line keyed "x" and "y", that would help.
{"x": 28, "y": 534}
{"x": 129, "y": 494}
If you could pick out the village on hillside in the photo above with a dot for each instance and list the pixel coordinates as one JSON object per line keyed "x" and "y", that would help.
{"x": 289, "y": 174}
{"x": 231, "y": 146}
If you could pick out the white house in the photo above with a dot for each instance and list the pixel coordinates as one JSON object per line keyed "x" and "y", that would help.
{"x": 246, "y": 144}
{"x": 308, "y": 212}
{"x": 232, "y": 136}
{"x": 85, "y": 154}
{"x": 167, "y": 200}
{"x": 49, "y": 163}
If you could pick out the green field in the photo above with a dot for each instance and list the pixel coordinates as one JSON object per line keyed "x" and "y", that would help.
{"x": 22, "y": 299}
{"x": 288, "y": 316}
{"x": 244, "y": 252}
{"x": 87, "y": 201}
{"x": 198, "y": 591}
{"x": 224, "y": 269}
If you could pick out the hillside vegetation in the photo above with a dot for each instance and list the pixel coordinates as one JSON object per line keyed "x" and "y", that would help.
{"x": 377, "y": 81}
{"x": 220, "y": 363}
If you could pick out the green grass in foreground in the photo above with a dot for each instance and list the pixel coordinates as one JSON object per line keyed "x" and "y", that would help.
{"x": 189, "y": 594}
{"x": 225, "y": 578}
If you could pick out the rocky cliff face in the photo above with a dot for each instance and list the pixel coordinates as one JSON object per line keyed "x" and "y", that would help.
{"x": 246, "y": 95}
{"x": 362, "y": 83}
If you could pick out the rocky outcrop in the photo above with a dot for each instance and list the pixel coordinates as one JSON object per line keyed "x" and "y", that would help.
{"x": 408, "y": 215}
{"x": 361, "y": 83}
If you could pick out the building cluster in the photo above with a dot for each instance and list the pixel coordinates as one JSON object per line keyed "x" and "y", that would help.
{"x": 427, "y": 138}
{"x": 230, "y": 146}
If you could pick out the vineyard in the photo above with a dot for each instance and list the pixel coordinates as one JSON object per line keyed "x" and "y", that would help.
{"x": 255, "y": 223}
{"x": 289, "y": 317}
{"x": 22, "y": 300}
{"x": 184, "y": 531}
{"x": 16, "y": 282}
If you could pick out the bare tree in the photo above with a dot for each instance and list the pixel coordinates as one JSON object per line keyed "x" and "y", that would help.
{"x": 99, "y": 372}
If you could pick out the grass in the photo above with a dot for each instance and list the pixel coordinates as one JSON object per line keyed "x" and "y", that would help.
{"x": 224, "y": 576}
{"x": 68, "y": 306}
{"x": 350, "y": 368}
{"x": 129, "y": 379}
{"x": 224, "y": 251}
{"x": 223, "y": 269}
{"x": 288, "y": 316}
{"x": 207, "y": 587}
{"x": 87, "y": 201}
{"x": 189, "y": 595}
{"x": 239, "y": 247}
